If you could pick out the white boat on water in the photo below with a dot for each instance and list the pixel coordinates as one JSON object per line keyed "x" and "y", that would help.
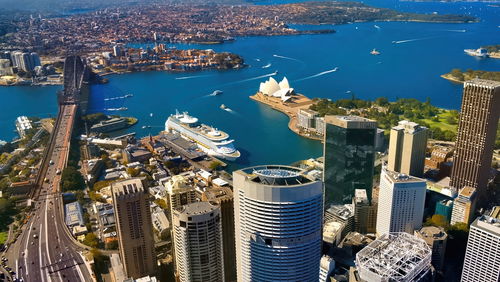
{"x": 375, "y": 52}
{"x": 480, "y": 52}
{"x": 209, "y": 139}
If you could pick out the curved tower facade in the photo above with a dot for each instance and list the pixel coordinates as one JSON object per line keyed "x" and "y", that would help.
{"x": 278, "y": 219}
{"x": 198, "y": 243}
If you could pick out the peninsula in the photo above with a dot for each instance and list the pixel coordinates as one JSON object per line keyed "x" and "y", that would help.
{"x": 459, "y": 76}
{"x": 306, "y": 115}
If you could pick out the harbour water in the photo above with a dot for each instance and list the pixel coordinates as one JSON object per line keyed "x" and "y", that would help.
{"x": 409, "y": 68}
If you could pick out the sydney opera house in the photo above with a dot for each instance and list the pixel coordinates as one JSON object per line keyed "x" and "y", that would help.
{"x": 280, "y": 90}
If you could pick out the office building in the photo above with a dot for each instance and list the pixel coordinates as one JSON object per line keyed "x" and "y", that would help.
{"x": 179, "y": 192}
{"x": 197, "y": 241}
{"x": 444, "y": 208}
{"x": 306, "y": 119}
{"x": 436, "y": 238}
{"x": 482, "y": 257}
{"x": 476, "y": 133}
{"x": 23, "y": 124}
{"x": 400, "y": 203}
{"x": 464, "y": 206}
{"x": 395, "y": 257}
{"x": 349, "y": 153}
{"x": 134, "y": 227}
{"x": 407, "y": 146}
{"x": 278, "y": 214}
{"x": 223, "y": 197}
{"x": 326, "y": 268}
{"x": 361, "y": 207}
{"x": 5, "y": 68}
{"x": 343, "y": 214}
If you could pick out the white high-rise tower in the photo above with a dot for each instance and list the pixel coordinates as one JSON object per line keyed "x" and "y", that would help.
{"x": 278, "y": 219}
{"x": 400, "y": 203}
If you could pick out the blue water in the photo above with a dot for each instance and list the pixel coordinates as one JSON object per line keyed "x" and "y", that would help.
{"x": 408, "y": 69}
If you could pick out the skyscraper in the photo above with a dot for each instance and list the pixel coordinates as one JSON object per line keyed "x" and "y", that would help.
{"x": 223, "y": 197}
{"x": 400, "y": 203}
{"x": 482, "y": 257}
{"x": 278, "y": 221}
{"x": 134, "y": 227}
{"x": 464, "y": 206}
{"x": 361, "y": 207}
{"x": 198, "y": 242}
{"x": 476, "y": 134}
{"x": 407, "y": 148}
{"x": 349, "y": 153}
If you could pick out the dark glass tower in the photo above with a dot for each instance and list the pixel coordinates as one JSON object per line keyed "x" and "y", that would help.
{"x": 349, "y": 152}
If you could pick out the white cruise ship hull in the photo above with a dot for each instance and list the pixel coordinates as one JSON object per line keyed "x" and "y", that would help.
{"x": 206, "y": 145}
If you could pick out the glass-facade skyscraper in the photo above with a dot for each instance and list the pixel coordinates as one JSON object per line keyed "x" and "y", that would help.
{"x": 349, "y": 153}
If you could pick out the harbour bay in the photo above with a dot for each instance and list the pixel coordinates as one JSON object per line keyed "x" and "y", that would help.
{"x": 408, "y": 69}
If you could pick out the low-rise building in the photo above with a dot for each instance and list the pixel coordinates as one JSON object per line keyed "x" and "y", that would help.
{"x": 74, "y": 215}
{"x": 23, "y": 124}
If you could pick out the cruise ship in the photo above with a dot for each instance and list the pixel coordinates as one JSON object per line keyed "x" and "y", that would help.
{"x": 209, "y": 139}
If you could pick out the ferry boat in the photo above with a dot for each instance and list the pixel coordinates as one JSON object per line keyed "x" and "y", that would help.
{"x": 128, "y": 95}
{"x": 375, "y": 52}
{"x": 209, "y": 139}
{"x": 217, "y": 92}
{"x": 481, "y": 52}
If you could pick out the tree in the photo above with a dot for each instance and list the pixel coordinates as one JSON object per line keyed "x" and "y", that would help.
{"x": 382, "y": 101}
{"x": 214, "y": 165}
{"x": 437, "y": 220}
{"x": 72, "y": 179}
{"x": 96, "y": 197}
{"x": 113, "y": 245}
{"x": 91, "y": 240}
{"x": 161, "y": 203}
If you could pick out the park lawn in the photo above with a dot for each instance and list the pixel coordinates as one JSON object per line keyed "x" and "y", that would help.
{"x": 442, "y": 124}
{"x": 3, "y": 237}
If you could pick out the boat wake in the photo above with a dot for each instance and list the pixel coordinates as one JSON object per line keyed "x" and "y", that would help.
{"x": 411, "y": 40}
{"x": 266, "y": 66}
{"x": 377, "y": 27}
{"x": 456, "y": 30}
{"x": 252, "y": 78}
{"x": 115, "y": 98}
{"x": 318, "y": 74}
{"x": 190, "y": 77}
{"x": 287, "y": 58}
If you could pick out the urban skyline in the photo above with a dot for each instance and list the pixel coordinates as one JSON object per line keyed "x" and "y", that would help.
{"x": 400, "y": 190}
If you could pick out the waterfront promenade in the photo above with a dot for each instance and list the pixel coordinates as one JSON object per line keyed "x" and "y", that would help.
{"x": 289, "y": 108}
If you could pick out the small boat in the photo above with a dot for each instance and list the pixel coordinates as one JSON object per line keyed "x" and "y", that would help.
{"x": 216, "y": 92}
{"x": 129, "y": 95}
{"x": 266, "y": 66}
{"x": 223, "y": 107}
{"x": 143, "y": 127}
{"x": 375, "y": 52}
{"x": 122, "y": 109}
{"x": 146, "y": 126}
{"x": 275, "y": 72}
{"x": 151, "y": 114}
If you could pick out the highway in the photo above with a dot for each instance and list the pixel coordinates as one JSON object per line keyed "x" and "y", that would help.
{"x": 45, "y": 250}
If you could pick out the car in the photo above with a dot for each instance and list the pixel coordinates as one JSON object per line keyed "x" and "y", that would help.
{"x": 51, "y": 162}
{"x": 58, "y": 171}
